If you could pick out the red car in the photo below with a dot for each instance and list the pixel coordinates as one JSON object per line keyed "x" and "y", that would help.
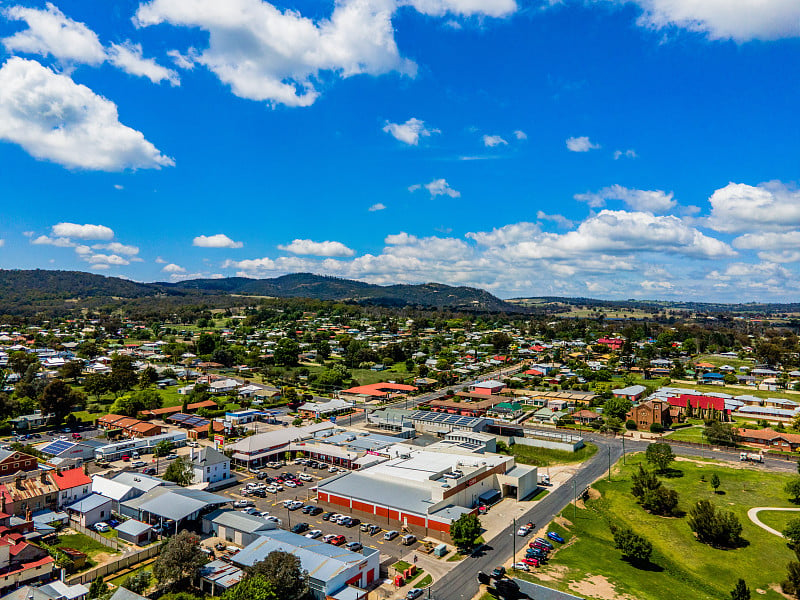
{"x": 338, "y": 540}
{"x": 533, "y": 562}
{"x": 539, "y": 545}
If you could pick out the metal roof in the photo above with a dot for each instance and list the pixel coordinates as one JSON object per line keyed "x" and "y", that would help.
{"x": 174, "y": 503}
{"x": 133, "y": 527}
{"x": 238, "y": 520}
{"x": 89, "y": 503}
{"x": 221, "y": 573}
{"x": 408, "y": 497}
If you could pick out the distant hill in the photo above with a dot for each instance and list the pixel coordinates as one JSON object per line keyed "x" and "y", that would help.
{"x": 36, "y": 286}
{"x": 307, "y": 285}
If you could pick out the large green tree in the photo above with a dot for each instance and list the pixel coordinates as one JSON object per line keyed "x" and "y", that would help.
{"x": 253, "y": 587}
{"x": 617, "y": 407}
{"x": 792, "y": 533}
{"x": 792, "y": 488}
{"x": 284, "y": 572}
{"x": 465, "y": 530}
{"x": 659, "y": 454}
{"x": 179, "y": 560}
{"x": 634, "y": 547}
{"x": 287, "y": 352}
{"x": 714, "y": 527}
{"x": 58, "y": 398}
{"x": 791, "y": 585}
{"x": 179, "y": 471}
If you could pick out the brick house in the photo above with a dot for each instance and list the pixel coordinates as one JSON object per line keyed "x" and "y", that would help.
{"x": 652, "y": 411}
{"x": 12, "y": 461}
{"x": 770, "y": 439}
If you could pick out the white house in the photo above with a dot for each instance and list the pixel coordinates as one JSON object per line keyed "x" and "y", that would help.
{"x": 210, "y": 466}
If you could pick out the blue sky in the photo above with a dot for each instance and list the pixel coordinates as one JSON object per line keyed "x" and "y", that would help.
{"x": 600, "y": 148}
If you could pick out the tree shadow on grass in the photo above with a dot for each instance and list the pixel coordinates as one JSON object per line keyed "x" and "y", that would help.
{"x": 644, "y": 565}
{"x": 671, "y": 473}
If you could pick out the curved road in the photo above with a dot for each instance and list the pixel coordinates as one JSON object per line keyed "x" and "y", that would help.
{"x": 752, "y": 514}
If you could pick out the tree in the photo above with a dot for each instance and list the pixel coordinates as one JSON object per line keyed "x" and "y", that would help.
{"x": 179, "y": 471}
{"x": 791, "y": 585}
{"x": 741, "y": 591}
{"x": 659, "y": 454}
{"x": 721, "y": 434}
{"x": 465, "y": 530}
{"x": 179, "y": 560}
{"x": 617, "y": 407}
{"x": 138, "y": 582}
{"x": 634, "y": 547}
{"x": 284, "y": 572}
{"x": 206, "y": 344}
{"x": 148, "y": 377}
{"x": 253, "y": 587}
{"x": 660, "y": 501}
{"x": 20, "y": 360}
{"x": 714, "y": 527}
{"x": 133, "y": 403}
{"x": 98, "y": 588}
{"x": 792, "y": 533}
{"x": 715, "y": 483}
{"x": 162, "y": 448}
{"x": 792, "y": 488}
{"x": 58, "y": 398}
{"x": 643, "y": 482}
{"x": 123, "y": 374}
{"x": 287, "y": 352}
{"x": 97, "y": 384}
{"x": 71, "y": 370}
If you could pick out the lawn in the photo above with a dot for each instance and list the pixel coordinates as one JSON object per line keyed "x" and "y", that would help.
{"x": 85, "y": 544}
{"x": 777, "y": 519}
{"x": 424, "y": 582}
{"x": 681, "y": 566}
{"x": 545, "y": 457}
{"x": 688, "y": 434}
{"x": 121, "y": 578}
{"x": 722, "y": 360}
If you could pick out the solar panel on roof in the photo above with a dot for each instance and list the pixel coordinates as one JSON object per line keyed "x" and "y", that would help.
{"x": 57, "y": 447}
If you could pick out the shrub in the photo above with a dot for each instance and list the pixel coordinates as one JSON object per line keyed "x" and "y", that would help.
{"x": 715, "y": 527}
{"x": 656, "y": 428}
{"x": 630, "y": 424}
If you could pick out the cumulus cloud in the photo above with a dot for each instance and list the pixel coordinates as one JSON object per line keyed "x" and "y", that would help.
{"x": 376, "y": 207}
{"x": 128, "y": 57}
{"x": 490, "y": 141}
{"x": 437, "y": 187}
{"x": 657, "y": 286}
{"x": 630, "y": 153}
{"x": 46, "y": 240}
{"x": 581, "y": 144}
{"x": 776, "y": 247}
{"x": 770, "y": 206}
{"x": 410, "y": 131}
{"x": 107, "y": 259}
{"x": 118, "y": 248}
{"x": 520, "y": 135}
{"x": 264, "y": 53}
{"x": 312, "y": 248}
{"x": 655, "y": 201}
{"x": 508, "y": 234}
{"x": 489, "y": 8}
{"x": 52, "y": 33}
{"x": 82, "y": 232}
{"x": 559, "y": 220}
{"x": 741, "y": 20}
{"x": 53, "y": 118}
{"x": 219, "y": 240}
{"x": 173, "y": 268}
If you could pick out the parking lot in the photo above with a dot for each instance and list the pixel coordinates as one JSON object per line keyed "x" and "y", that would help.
{"x": 273, "y": 504}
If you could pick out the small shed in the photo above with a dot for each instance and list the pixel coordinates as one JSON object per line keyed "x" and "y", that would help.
{"x": 135, "y": 532}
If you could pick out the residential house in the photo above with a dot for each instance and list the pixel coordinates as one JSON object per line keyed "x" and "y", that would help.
{"x": 489, "y": 387}
{"x": 90, "y": 510}
{"x": 584, "y": 417}
{"x": 770, "y": 439}
{"x": 12, "y": 461}
{"x": 22, "y": 563}
{"x": 30, "y": 492}
{"x": 209, "y": 466}
{"x": 73, "y": 485}
{"x": 632, "y": 392}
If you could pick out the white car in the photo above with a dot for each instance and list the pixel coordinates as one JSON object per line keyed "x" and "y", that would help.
{"x": 523, "y": 531}
{"x": 332, "y": 470}
{"x": 102, "y": 527}
{"x": 328, "y": 538}
{"x": 290, "y": 484}
{"x": 274, "y": 520}
{"x": 521, "y": 566}
{"x": 272, "y": 489}
{"x": 314, "y": 533}
{"x": 305, "y": 477}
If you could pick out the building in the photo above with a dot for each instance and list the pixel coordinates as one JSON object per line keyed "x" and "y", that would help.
{"x": 12, "y": 461}
{"x": 135, "y": 532}
{"x": 128, "y": 426}
{"x": 209, "y": 466}
{"x": 652, "y": 411}
{"x": 144, "y": 445}
{"x": 701, "y": 404}
{"x": 770, "y": 439}
{"x": 441, "y": 424}
{"x": 584, "y": 417}
{"x": 375, "y": 392}
{"x": 218, "y": 576}
{"x": 90, "y": 510}
{"x": 331, "y": 569}
{"x": 632, "y": 392}
{"x": 55, "y": 590}
{"x": 22, "y": 563}
{"x": 255, "y": 450}
{"x": 28, "y": 492}
{"x": 235, "y": 527}
{"x": 32, "y": 421}
{"x": 489, "y": 387}
{"x": 324, "y": 410}
{"x": 70, "y": 452}
{"x": 72, "y": 484}
{"x": 171, "y": 505}
{"x": 126, "y": 486}
{"x": 425, "y": 491}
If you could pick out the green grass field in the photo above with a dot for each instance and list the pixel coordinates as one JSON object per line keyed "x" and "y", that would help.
{"x": 777, "y": 519}
{"x": 688, "y": 434}
{"x": 544, "y": 457}
{"x": 722, "y": 360}
{"x": 681, "y": 566}
{"x": 85, "y": 544}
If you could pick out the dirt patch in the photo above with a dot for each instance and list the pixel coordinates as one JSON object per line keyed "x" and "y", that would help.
{"x": 777, "y": 589}
{"x": 565, "y": 523}
{"x": 714, "y": 463}
{"x": 598, "y": 586}
{"x": 552, "y": 573}
{"x": 593, "y": 495}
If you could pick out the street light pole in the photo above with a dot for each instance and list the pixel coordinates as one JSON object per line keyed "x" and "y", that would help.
{"x": 514, "y": 544}
{"x": 609, "y": 463}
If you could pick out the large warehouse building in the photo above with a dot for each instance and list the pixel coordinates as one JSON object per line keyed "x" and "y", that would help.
{"x": 423, "y": 491}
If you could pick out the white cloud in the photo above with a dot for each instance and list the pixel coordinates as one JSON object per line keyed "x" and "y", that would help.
{"x": 2, "y": 242}
{"x": 52, "y": 33}
{"x": 657, "y": 286}
{"x": 265, "y": 53}
{"x": 559, "y": 220}
{"x": 520, "y": 135}
{"x": 118, "y": 248}
{"x": 55, "y": 119}
{"x": 219, "y": 240}
{"x": 128, "y": 57}
{"x": 377, "y": 206}
{"x": 740, "y": 20}
{"x": 173, "y": 268}
{"x": 770, "y": 206}
{"x": 437, "y": 187}
{"x": 183, "y": 61}
{"x": 45, "y": 240}
{"x": 117, "y": 186}
{"x": 82, "y": 232}
{"x": 508, "y": 234}
{"x": 160, "y": 261}
{"x": 107, "y": 259}
{"x": 410, "y": 131}
{"x": 630, "y": 153}
{"x": 490, "y": 141}
{"x": 312, "y": 248}
{"x": 489, "y": 8}
{"x": 777, "y": 247}
{"x": 655, "y": 201}
{"x": 99, "y": 267}
{"x": 581, "y": 144}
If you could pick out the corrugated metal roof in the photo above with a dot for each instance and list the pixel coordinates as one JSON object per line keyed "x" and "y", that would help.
{"x": 239, "y": 520}
{"x": 133, "y": 527}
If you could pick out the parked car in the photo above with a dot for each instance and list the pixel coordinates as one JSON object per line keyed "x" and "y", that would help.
{"x": 327, "y": 516}
{"x": 390, "y": 535}
{"x": 315, "y": 510}
{"x": 314, "y": 533}
{"x": 149, "y": 470}
{"x": 354, "y": 546}
{"x": 555, "y": 537}
{"x": 251, "y": 510}
{"x": 102, "y": 527}
{"x": 243, "y": 503}
{"x": 295, "y": 505}
{"x": 338, "y": 540}
{"x": 523, "y": 531}
{"x": 409, "y": 539}
{"x": 138, "y": 464}
{"x": 328, "y": 537}
{"x": 373, "y": 529}
{"x": 533, "y": 562}
{"x": 414, "y": 593}
{"x": 300, "y": 528}
{"x": 271, "y": 489}
{"x": 365, "y": 526}
{"x": 171, "y": 456}
{"x": 126, "y": 458}
{"x": 544, "y": 543}
{"x": 332, "y": 469}
{"x": 498, "y": 572}
{"x": 290, "y": 484}
{"x": 305, "y": 477}
{"x": 521, "y": 566}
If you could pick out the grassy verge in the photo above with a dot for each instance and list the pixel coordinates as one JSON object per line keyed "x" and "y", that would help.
{"x": 680, "y": 564}
{"x": 688, "y": 434}
{"x": 544, "y": 457}
{"x": 424, "y": 582}
{"x": 777, "y": 519}
{"x": 119, "y": 580}
{"x": 401, "y": 565}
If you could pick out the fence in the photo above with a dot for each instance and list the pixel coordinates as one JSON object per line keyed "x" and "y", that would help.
{"x": 117, "y": 565}
{"x": 110, "y": 542}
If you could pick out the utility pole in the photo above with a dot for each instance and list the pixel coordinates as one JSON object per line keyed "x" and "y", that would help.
{"x": 623, "y": 448}
{"x": 514, "y": 544}
{"x": 574, "y": 499}
{"x": 609, "y": 463}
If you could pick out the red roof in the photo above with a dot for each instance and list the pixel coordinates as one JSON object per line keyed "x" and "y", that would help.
{"x": 533, "y": 372}
{"x": 71, "y": 478}
{"x": 379, "y": 389}
{"x": 538, "y": 348}
{"x": 703, "y": 402}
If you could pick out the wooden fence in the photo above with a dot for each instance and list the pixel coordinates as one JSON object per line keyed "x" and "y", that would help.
{"x": 115, "y": 566}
